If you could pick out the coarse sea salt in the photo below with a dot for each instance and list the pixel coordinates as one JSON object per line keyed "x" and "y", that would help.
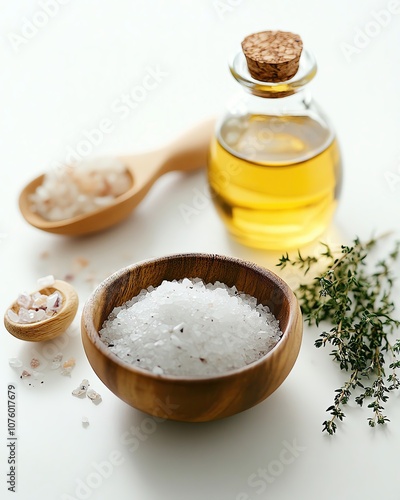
{"x": 81, "y": 390}
{"x": 189, "y": 328}
{"x": 78, "y": 189}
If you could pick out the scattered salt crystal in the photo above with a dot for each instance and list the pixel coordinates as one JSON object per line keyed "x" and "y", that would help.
{"x": 94, "y": 396}
{"x": 45, "y": 281}
{"x": 68, "y": 366}
{"x": 56, "y": 363}
{"x": 85, "y": 421}
{"x": 189, "y": 328}
{"x": 70, "y": 363}
{"x": 81, "y": 389}
{"x": 70, "y": 191}
{"x": 25, "y": 374}
{"x": 35, "y": 363}
{"x": 15, "y": 363}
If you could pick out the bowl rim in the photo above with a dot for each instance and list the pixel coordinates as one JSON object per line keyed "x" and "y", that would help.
{"x": 177, "y": 379}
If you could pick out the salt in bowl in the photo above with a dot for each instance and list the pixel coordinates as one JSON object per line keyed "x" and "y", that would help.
{"x": 194, "y": 399}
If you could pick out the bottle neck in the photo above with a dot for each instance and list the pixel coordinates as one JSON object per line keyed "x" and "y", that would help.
{"x": 274, "y": 90}
{"x": 293, "y": 104}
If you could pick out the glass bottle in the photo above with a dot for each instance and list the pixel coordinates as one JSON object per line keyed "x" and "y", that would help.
{"x": 274, "y": 165}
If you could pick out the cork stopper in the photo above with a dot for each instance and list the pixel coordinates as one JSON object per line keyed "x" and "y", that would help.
{"x": 272, "y": 56}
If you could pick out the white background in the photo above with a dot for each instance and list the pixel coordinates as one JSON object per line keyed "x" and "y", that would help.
{"x": 60, "y": 83}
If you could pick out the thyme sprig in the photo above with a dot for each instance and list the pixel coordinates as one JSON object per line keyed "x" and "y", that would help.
{"x": 358, "y": 304}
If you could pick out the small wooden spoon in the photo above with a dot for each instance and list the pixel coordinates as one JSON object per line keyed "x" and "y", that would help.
{"x": 50, "y": 327}
{"x": 187, "y": 153}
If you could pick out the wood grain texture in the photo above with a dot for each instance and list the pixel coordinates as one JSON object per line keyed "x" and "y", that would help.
{"x": 187, "y": 153}
{"x": 194, "y": 399}
{"x": 51, "y": 327}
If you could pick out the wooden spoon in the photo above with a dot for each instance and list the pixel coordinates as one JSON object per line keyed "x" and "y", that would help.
{"x": 50, "y": 327}
{"x": 187, "y": 153}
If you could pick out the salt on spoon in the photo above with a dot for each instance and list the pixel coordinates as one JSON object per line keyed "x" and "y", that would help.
{"x": 185, "y": 154}
{"x": 44, "y": 314}
{"x": 71, "y": 191}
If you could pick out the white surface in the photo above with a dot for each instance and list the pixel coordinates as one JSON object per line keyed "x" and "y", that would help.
{"x": 63, "y": 81}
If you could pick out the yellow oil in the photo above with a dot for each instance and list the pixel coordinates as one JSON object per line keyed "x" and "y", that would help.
{"x": 275, "y": 180}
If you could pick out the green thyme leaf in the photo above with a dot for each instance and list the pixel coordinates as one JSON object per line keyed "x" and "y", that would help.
{"x": 358, "y": 304}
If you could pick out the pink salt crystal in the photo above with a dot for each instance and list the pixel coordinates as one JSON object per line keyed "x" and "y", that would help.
{"x": 13, "y": 316}
{"x": 53, "y": 301}
{"x": 40, "y": 302}
{"x": 24, "y": 300}
{"x": 40, "y": 315}
{"x": 25, "y": 374}
{"x": 45, "y": 281}
{"x": 35, "y": 363}
{"x": 26, "y": 316}
{"x": 68, "y": 366}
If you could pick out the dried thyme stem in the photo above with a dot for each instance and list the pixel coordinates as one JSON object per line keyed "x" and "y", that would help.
{"x": 358, "y": 304}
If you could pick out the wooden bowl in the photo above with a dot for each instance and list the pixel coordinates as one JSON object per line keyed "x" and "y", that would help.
{"x": 183, "y": 398}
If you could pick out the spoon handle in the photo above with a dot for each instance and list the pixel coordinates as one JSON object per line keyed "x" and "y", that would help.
{"x": 189, "y": 152}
